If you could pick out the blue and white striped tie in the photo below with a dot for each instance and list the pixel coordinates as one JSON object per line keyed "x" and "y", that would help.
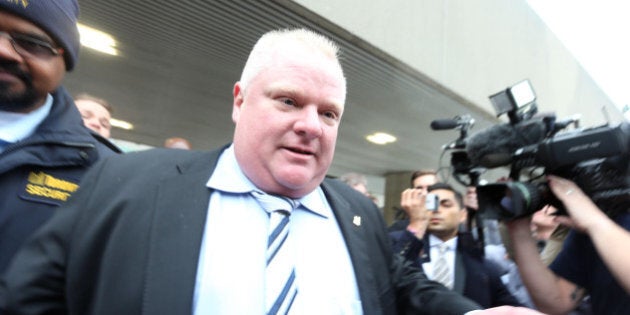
{"x": 280, "y": 285}
{"x": 441, "y": 271}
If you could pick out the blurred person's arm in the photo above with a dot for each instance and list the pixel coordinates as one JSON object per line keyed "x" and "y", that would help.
{"x": 551, "y": 293}
{"x": 610, "y": 240}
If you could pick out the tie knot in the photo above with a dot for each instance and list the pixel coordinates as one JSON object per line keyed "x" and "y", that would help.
{"x": 275, "y": 203}
{"x": 443, "y": 248}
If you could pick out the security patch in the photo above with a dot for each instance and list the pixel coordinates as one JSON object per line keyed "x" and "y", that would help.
{"x": 47, "y": 188}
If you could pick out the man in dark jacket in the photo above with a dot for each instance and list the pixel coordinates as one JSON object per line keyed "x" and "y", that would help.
{"x": 445, "y": 254}
{"x": 187, "y": 232}
{"x": 44, "y": 147}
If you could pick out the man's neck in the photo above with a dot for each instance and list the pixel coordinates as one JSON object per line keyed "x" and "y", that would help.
{"x": 445, "y": 236}
{"x": 17, "y": 126}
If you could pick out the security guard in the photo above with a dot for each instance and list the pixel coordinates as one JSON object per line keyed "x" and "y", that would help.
{"x": 44, "y": 147}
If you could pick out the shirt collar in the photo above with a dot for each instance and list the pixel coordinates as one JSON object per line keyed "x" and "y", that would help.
{"x": 229, "y": 178}
{"x": 17, "y": 126}
{"x": 450, "y": 244}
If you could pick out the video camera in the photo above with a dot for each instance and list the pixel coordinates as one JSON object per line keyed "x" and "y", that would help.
{"x": 596, "y": 159}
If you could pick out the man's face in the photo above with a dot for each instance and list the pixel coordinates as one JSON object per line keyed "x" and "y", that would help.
{"x": 423, "y": 182}
{"x": 95, "y": 116}
{"x": 361, "y": 188}
{"x": 287, "y": 122}
{"x": 25, "y": 81}
{"x": 444, "y": 221}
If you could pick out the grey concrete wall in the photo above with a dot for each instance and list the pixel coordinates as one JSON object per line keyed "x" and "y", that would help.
{"x": 474, "y": 48}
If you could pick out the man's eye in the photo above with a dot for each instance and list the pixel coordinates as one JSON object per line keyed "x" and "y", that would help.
{"x": 331, "y": 115}
{"x": 289, "y": 102}
{"x": 31, "y": 45}
{"x": 105, "y": 124}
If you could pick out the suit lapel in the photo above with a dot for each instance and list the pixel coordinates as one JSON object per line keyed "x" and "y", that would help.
{"x": 177, "y": 230}
{"x": 460, "y": 269}
{"x": 352, "y": 231}
{"x": 460, "y": 273}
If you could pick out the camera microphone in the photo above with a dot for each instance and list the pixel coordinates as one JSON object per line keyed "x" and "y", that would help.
{"x": 495, "y": 146}
{"x": 447, "y": 124}
{"x": 444, "y": 124}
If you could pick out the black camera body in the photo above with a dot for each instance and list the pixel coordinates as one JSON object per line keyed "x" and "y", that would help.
{"x": 596, "y": 159}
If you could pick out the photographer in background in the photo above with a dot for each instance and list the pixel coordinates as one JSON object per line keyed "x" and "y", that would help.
{"x": 594, "y": 257}
{"x": 446, "y": 254}
{"x": 420, "y": 179}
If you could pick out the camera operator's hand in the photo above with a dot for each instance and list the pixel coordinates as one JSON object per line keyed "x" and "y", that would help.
{"x": 610, "y": 239}
{"x": 583, "y": 213}
{"x": 413, "y": 200}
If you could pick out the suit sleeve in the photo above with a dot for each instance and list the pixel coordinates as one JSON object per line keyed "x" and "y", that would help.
{"x": 407, "y": 245}
{"x": 500, "y": 293}
{"x": 417, "y": 294}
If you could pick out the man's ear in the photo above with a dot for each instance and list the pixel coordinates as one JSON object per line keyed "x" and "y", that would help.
{"x": 237, "y": 103}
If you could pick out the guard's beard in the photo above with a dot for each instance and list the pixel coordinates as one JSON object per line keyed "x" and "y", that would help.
{"x": 20, "y": 101}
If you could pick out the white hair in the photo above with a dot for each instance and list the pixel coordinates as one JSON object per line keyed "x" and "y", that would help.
{"x": 261, "y": 55}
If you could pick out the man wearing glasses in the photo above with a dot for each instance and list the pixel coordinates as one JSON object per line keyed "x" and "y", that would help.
{"x": 44, "y": 147}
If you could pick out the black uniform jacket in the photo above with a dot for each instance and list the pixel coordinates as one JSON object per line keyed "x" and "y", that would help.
{"x": 42, "y": 171}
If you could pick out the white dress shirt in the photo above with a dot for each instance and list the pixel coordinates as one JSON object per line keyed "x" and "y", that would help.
{"x": 435, "y": 242}
{"x": 435, "y": 253}
{"x": 231, "y": 267}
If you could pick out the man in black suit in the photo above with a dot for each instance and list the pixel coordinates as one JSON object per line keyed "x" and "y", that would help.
{"x": 182, "y": 232}
{"x": 466, "y": 271}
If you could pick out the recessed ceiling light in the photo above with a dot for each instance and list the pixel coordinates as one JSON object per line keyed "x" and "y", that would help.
{"x": 381, "y": 138}
{"x": 121, "y": 124}
{"x": 97, "y": 40}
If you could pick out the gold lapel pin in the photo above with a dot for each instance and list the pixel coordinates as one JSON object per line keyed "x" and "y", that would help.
{"x": 357, "y": 220}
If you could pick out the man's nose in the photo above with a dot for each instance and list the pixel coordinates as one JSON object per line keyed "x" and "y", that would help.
{"x": 94, "y": 124}
{"x": 7, "y": 50}
{"x": 309, "y": 122}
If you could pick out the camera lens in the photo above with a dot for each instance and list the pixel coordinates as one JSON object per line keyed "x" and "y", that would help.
{"x": 511, "y": 200}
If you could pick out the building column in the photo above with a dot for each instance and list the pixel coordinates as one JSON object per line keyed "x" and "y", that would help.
{"x": 395, "y": 183}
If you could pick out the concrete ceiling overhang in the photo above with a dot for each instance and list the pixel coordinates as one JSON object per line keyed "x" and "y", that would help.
{"x": 179, "y": 60}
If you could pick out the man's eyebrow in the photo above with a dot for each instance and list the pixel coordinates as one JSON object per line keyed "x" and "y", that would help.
{"x": 283, "y": 88}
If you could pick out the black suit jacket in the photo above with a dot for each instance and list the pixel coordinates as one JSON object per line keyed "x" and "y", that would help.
{"x": 128, "y": 243}
{"x": 476, "y": 277}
